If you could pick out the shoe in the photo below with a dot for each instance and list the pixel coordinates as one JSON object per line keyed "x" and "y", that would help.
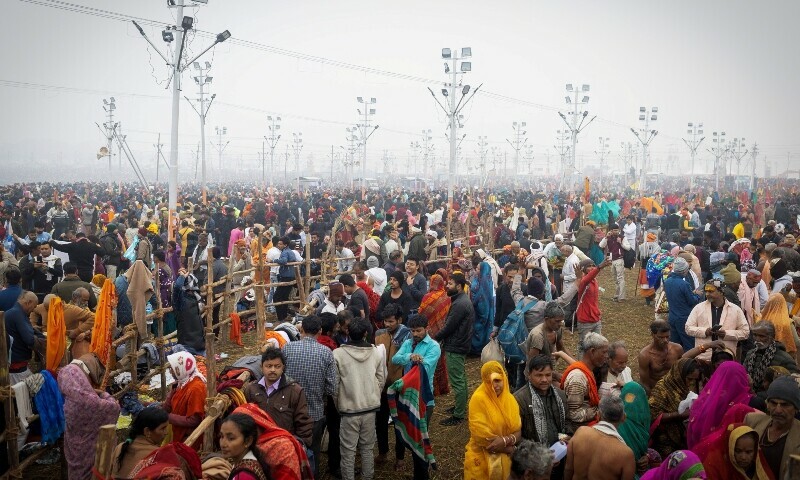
{"x": 399, "y": 466}
{"x": 449, "y": 422}
{"x": 450, "y": 411}
{"x": 380, "y": 459}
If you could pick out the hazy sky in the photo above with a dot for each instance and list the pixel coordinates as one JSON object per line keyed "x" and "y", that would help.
{"x": 732, "y": 65}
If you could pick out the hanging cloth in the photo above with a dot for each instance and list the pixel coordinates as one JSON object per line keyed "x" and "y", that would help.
{"x": 56, "y": 334}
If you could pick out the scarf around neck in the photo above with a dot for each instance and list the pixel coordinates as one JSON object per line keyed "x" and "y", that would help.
{"x": 539, "y": 416}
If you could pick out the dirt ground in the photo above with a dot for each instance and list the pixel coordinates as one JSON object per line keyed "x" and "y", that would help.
{"x": 626, "y": 321}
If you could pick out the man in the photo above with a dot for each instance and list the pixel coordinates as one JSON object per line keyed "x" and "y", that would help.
{"x": 579, "y": 384}
{"x": 70, "y": 283}
{"x": 456, "y": 339}
{"x": 78, "y": 321}
{"x": 420, "y": 350}
{"x": 361, "y": 378}
{"x": 731, "y": 280}
{"x": 615, "y": 244}
{"x": 392, "y": 244}
{"x": 599, "y": 452}
{"x": 753, "y": 294}
{"x": 188, "y": 239}
{"x": 285, "y": 274}
{"x": 779, "y": 430}
{"x": 630, "y": 231}
{"x": 280, "y": 396}
{"x": 570, "y": 265}
{"x": 392, "y": 338}
{"x": 588, "y": 310}
{"x": 656, "y": 358}
{"x": 10, "y": 294}
{"x": 7, "y": 262}
{"x": 395, "y": 262}
{"x": 545, "y": 338}
{"x": 682, "y": 298}
{"x": 504, "y": 302}
{"x": 358, "y": 297}
{"x": 144, "y": 249}
{"x": 23, "y": 336}
{"x": 415, "y": 285}
{"x": 333, "y": 302}
{"x": 42, "y": 269}
{"x": 416, "y": 244}
{"x": 376, "y": 276}
{"x": 716, "y": 319}
{"x": 374, "y": 247}
{"x": 113, "y": 251}
{"x": 767, "y": 353}
{"x": 531, "y": 461}
{"x": 543, "y": 407}
{"x": 345, "y": 256}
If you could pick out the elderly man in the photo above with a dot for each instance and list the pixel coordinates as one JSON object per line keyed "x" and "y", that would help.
{"x": 570, "y": 265}
{"x": 66, "y": 287}
{"x": 619, "y": 373}
{"x": 78, "y": 321}
{"x": 767, "y": 353}
{"x": 656, "y": 358}
{"x": 615, "y": 244}
{"x": 23, "y": 336}
{"x": 779, "y": 431}
{"x": 716, "y": 319}
{"x": 599, "y": 452}
{"x": 531, "y": 461}
{"x": 579, "y": 383}
{"x": 752, "y": 294}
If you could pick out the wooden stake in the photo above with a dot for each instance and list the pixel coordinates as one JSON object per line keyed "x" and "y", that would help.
{"x": 261, "y": 314}
{"x": 211, "y": 362}
{"x": 103, "y": 456}
{"x": 11, "y": 415}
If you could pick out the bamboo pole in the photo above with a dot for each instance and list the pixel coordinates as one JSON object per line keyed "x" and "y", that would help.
{"x": 160, "y": 340}
{"x": 261, "y": 313}
{"x": 227, "y": 305}
{"x": 211, "y": 363}
{"x": 215, "y": 407}
{"x": 307, "y": 279}
{"x": 11, "y": 415}
{"x": 103, "y": 456}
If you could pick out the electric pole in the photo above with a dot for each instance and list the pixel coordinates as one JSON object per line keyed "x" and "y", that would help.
{"x": 753, "y": 157}
{"x": 220, "y": 146}
{"x": 201, "y": 80}
{"x": 158, "y": 155}
{"x": 736, "y": 152}
{"x": 109, "y": 106}
{"x": 482, "y": 152}
{"x": 693, "y": 143}
{"x": 718, "y": 150}
{"x": 427, "y": 149}
{"x": 366, "y": 129}
{"x": 577, "y": 125}
{"x": 563, "y": 149}
{"x": 297, "y": 148}
{"x": 645, "y": 135}
{"x": 602, "y": 152}
{"x": 275, "y": 125}
{"x": 415, "y": 147}
{"x": 518, "y": 143}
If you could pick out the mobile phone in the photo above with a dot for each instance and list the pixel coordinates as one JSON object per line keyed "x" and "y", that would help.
{"x": 40, "y": 259}
{"x": 716, "y": 327}
{"x": 608, "y": 256}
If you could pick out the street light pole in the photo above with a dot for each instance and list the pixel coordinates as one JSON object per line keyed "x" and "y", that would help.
{"x": 297, "y": 147}
{"x": 219, "y": 146}
{"x": 693, "y": 144}
{"x": 604, "y": 150}
{"x": 364, "y": 129}
{"x": 645, "y": 137}
{"x": 718, "y": 150}
{"x": 202, "y": 79}
{"x": 109, "y": 106}
{"x": 273, "y": 142}
{"x": 518, "y": 142}
{"x": 576, "y": 126}
{"x": 753, "y": 157}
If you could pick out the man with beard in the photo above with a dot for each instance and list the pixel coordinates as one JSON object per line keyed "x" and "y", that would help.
{"x": 779, "y": 431}
{"x": 71, "y": 282}
{"x": 657, "y": 358}
{"x": 456, "y": 339}
{"x": 767, "y": 353}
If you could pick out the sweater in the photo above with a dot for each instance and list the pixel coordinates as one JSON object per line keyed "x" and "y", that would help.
{"x": 456, "y": 335}
{"x": 680, "y": 297}
{"x": 362, "y": 374}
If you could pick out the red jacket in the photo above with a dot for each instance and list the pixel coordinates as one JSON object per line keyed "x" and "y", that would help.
{"x": 588, "y": 298}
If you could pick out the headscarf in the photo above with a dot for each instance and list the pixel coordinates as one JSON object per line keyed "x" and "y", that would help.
{"x": 92, "y": 367}
{"x": 777, "y": 312}
{"x": 728, "y": 386}
{"x": 635, "y": 430}
{"x": 98, "y": 280}
{"x": 174, "y": 461}
{"x": 536, "y": 288}
{"x": 717, "y": 453}
{"x": 490, "y": 416}
{"x": 435, "y": 304}
{"x": 56, "y": 334}
{"x": 185, "y": 367}
{"x": 778, "y": 268}
{"x": 680, "y": 465}
{"x": 495, "y": 268}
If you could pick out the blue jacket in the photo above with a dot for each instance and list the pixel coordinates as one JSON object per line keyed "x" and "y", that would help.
{"x": 428, "y": 349}
{"x": 286, "y": 271}
{"x": 680, "y": 297}
{"x": 9, "y": 296}
{"x": 18, "y": 327}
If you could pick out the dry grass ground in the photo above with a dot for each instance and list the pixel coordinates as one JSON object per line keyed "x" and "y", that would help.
{"x": 626, "y": 321}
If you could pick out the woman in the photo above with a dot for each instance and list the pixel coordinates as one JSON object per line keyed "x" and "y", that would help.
{"x": 494, "y": 426}
{"x": 97, "y": 284}
{"x": 777, "y": 311}
{"x": 635, "y": 431}
{"x": 482, "y": 290}
{"x": 186, "y": 401}
{"x": 284, "y": 456}
{"x": 649, "y": 248}
{"x": 680, "y": 465}
{"x": 667, "y": 394}
{"x": 434, "y": 306}
{"x": 238, "y": 435}
{"x": 145, "y": 436}
{"x": 397, "y": 295}
{"x": 85, "y": 411}
{"x": 175, "y": 461}
{"x": 729, "y": 385}
{"x": 733, "y": 453}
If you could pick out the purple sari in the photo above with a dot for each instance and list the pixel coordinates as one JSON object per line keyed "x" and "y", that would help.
{"x": 728, "y": 386}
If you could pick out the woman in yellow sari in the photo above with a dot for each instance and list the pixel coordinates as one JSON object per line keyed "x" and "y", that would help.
{"x": 777, "y": 311}
{"x": 494, "y": 427}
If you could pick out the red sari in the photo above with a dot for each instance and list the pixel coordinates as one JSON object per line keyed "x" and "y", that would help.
{"x": 716, "y": 453}
{"x": 434, "y": 306}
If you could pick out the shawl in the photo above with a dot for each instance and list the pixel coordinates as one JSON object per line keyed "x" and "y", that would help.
{"x": 174, "y": 461}
{"x": 665, "y": 397}
{"x": 655, "y": 267}
{"x": 102, "y": 331}
{"x": 716, "y": 452}
{"x": 56, "y": 334}
{"x": 249, "y": 466}
{"x": 539, "y": 417}
{"x": 184, "y": 364}
{"x": 594, "y": 395}
{"x": 483, "y": 301}
{"x": 680, "y": 465}
{"x": 284, "y": 455}
{"x": 777, "y": 312}
{"x": 187, "y": 401}
{"x": 490, "y": 416}
{"x": 757, "y": 369}
{"x": 408, "y": 404}
{"x": 435, "y": 305}
{"x": 373, "y": 299}
{"x": 751, "y": 305}
{"x": 50, "y": 405}
{"x": 635, "y": 431}
{"x": 728, "y": 386}
{"x": 140, "y": 288}
{"x": 327, "y": 341}
{"x": 236, "y": 329}
{"x": 609, "y": 429}
{"x": 495, "y": 268}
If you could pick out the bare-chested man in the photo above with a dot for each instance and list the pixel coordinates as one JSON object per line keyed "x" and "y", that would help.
{"x": 657, "y": 358}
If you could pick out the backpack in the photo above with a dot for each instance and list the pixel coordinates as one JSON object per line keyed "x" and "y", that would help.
{"x": 513, "y": 332}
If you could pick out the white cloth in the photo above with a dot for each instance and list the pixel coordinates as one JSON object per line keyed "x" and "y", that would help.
{"x": 568, "y": 270}
{"x": 608, "y": 429}
{"x": 22, "y": 401}
{"x": 349, "y": 260}
{"x": 379, "y": 279}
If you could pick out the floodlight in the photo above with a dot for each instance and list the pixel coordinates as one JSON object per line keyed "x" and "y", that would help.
{"x": 209, "y": 79}
{"x": 166, "y": 35}
{"x": 372, "y": 111}
{"x": 653, "y": 118}
{"x": 585, "y": 88}
{"x": 224, "y": 130}
{"x": 654, "y": 109}
{"x": 444, "y": 92}
{"x": 196, "y": 65}
{"x": 585, "y": 99}
{"x": 466, "y": 66}
{"x": 642, "y": 109}
{"x": 446, "y": 53}
{"x": 641, "y": 118}
{"x": 568, "y": 100}
{"x": 113, "y": 100}
{"x": 187, "y": 22}
{"x": 278, "y": 119}
{"x": 699, "y": 132}
{"x": 372, "y": 100}
{"x": 466, "y": 52}
{"x": 514, "y": 124}
{"x": 524, "y": 124}
{"x": 465, "y": 90}
{"x": 221, "y": 37}
{"x": 208, "y": 65}
{"x": 360, "y": 99}
{"x": 269, "y": 118}
{"x": 446, "y": 67}
{"x": 569, "y": 87}
{"x": 688, "y": 131}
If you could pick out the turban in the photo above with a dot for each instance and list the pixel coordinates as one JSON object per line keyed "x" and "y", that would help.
{"x": 651, "y": 237}
{"x": 336, "y": 289}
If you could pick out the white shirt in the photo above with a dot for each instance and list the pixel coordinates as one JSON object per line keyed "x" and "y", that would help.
{"x": 273, "y": 254}
{"x": 630, "y": 233}
{"x": 349, "y": 260}
{"x": 568, "y": 271}
{"x": 391, "y": 246}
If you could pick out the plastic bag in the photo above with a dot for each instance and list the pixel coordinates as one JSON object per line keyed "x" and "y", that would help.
{"x": 492, "y": 351}
{"x": 130, "y": 253}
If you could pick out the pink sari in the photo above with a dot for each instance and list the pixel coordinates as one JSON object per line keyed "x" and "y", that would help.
{"x": 727, "y": 387}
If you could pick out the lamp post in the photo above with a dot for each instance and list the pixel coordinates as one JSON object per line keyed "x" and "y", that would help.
{"x": 693, "y": 143}
{"x": 518, "y": 142}
{"x": 736, "y": 151}
{"x": 221, "y": 132}
{"x": 352, "y": 146}
{"x": 602, "y": 152}
{"x": 718, "y": 150}
{"x": 297, "y": 148}
{"x": 628, "y": 156}
{"x": 176, "y": 71}
{"x": 427, "y": 149}
{"x": 576, "y": 98}
{"x": 109, "y": 106}
{"x": 482, "y": 152}
{"x": 272, "y": 141}
{"x": 645, "y": 135}
{"x": 562, "y": 136}
{"x": 366, "y": 129}
{"x": 753, "y": 157}
{"x": 202, "y": 79}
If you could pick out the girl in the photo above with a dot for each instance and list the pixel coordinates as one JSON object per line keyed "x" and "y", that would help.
{"x": 147, "y": 432}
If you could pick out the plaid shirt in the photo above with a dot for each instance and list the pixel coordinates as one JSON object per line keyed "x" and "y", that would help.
{"x": 311, "y": 365}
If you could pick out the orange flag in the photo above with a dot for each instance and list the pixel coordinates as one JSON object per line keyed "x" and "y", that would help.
{"x": 56, "y": 334}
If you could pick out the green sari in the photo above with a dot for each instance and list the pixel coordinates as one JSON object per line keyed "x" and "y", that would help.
{"x": 635, "y": 430}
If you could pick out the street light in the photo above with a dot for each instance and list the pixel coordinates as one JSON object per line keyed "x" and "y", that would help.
{"x": 718, "y": 150}
{"x": 366, "y": 130}
{"x": 275, "y": 125}
{"x": 645, "y": 135}
{"x": 576, "y": 125}
{"x": 693, "y": 143}
{"x": 518, "y": 142}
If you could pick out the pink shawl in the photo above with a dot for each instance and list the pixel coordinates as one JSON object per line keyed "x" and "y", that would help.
{"x": 728, "y": 386}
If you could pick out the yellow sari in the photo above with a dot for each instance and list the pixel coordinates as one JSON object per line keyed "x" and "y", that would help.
{"x": 490, "y": 416}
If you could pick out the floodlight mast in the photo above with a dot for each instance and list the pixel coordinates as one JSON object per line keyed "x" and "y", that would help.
{"x": 176, "y": 71}
{"x": 576, "y": 126}
{"x": 694, "y": 130}
{"x": 202, "y": 79}
{"x": 647, "y": 136}
{"x": 518, "y": 142}
{"x": 718, "y": 151}
{"x": 273, "y": 142}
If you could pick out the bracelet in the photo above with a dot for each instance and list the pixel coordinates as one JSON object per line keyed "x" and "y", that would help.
{"x": 514, "y": 439}
{"x": 505, "y": 444}
{"x": 703, "y": 348}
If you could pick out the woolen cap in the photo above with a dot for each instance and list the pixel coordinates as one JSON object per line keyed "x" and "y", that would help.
{"x": 680, "y": 265}
{"x": 786, "y": 389}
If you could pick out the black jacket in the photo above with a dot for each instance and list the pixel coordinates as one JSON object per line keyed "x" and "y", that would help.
{"x": 456, "y": 336}
{"x": 504, "y": 304}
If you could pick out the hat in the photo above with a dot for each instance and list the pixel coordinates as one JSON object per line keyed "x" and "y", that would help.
{"x": 778, "y": 268}
{"x": 680, "y": 265}
{"x": 730, "y": 274}
{"x": 432, "y": 233}
{"x": 336, "y": 288}
{"x": 651, "y": 237}
{"x": 535, "y": 287}
{"x": 780, "y": 228}
{"x": 372, "y": 262}
{"x": 786, "y": 389}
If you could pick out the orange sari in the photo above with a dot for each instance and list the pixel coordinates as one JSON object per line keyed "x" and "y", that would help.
{"x": 102, "y": 331}
{"x": 434, "y": 306}
{"x": 56, "y": 334}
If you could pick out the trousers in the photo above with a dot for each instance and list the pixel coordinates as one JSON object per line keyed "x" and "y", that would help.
{"x": 357, "y": 433}
{"x": 458, "y": 382}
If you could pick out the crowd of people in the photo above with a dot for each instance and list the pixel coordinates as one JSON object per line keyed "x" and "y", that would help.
{"x": 415, "y": 291}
